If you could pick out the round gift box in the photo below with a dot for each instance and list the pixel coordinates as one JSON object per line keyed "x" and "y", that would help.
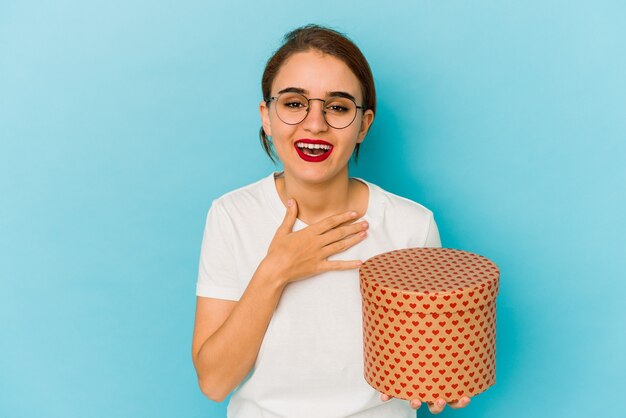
{"x": 429, "y": 323}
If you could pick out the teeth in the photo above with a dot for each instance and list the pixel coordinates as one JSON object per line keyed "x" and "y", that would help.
{"x": 313, "y": 146}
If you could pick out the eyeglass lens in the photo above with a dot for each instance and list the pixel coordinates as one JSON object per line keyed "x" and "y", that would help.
{"x": 292, "y": 108}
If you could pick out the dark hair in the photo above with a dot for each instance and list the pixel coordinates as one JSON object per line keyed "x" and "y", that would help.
{"x": 327, "y": 41}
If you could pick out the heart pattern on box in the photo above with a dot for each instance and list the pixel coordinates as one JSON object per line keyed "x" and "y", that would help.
{"x": 429, "y": 323}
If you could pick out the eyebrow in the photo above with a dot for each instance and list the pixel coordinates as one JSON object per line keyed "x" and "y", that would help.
{"x": 329, "y": 94}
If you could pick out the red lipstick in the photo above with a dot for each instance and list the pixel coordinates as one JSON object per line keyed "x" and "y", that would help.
{"x": 313, "y": 144}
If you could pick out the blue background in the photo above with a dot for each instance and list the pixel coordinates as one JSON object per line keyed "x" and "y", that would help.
{"x": 121, "y": 121}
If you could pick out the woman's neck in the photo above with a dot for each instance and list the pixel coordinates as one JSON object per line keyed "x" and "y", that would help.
{"x": 317, "y": 201}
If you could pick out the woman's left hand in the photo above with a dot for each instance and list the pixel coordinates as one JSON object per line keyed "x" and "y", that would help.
{"x": 437, "y": 406}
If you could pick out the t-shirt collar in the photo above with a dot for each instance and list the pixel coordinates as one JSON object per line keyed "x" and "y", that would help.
{"x": 374, "y": 204}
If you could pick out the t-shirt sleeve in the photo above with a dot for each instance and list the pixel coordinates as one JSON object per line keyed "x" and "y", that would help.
{"x": 432, "y": 237}
{"x": 217, "y": 272}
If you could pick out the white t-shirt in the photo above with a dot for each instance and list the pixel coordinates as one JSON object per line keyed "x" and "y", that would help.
{"x": 311, "y": 360}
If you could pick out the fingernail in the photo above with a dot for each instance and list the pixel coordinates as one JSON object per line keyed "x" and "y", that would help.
{"x": 441, "y": 403}
{"x": 353, "y": 214}
{"x": 290, "y": 202}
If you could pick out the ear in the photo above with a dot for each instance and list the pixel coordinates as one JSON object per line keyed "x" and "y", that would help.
{"x": 366, "y": 122}
{"x": 264, "y": 110}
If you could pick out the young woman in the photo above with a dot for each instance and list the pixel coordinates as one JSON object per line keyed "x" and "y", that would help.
{"x": 278, "y": 313}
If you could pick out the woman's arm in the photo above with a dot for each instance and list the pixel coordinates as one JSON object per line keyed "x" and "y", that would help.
{"x": 228, "y": 335}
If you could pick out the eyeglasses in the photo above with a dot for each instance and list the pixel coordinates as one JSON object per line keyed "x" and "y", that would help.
{"x": 292, "y": 108}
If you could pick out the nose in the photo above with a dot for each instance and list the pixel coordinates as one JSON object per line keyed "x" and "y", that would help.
{"x": 314, "y": 120}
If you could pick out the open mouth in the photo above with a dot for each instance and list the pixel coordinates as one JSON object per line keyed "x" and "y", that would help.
{"x": 313, "y": 150}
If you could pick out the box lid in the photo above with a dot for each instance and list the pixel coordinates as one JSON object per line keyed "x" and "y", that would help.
{"x": 429, "y": 280}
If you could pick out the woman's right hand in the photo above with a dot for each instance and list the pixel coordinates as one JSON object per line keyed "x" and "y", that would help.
{"x": 297, "y": 255}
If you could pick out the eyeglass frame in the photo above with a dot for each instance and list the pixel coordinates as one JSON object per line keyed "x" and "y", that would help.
{"x": 308, "y": 108}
